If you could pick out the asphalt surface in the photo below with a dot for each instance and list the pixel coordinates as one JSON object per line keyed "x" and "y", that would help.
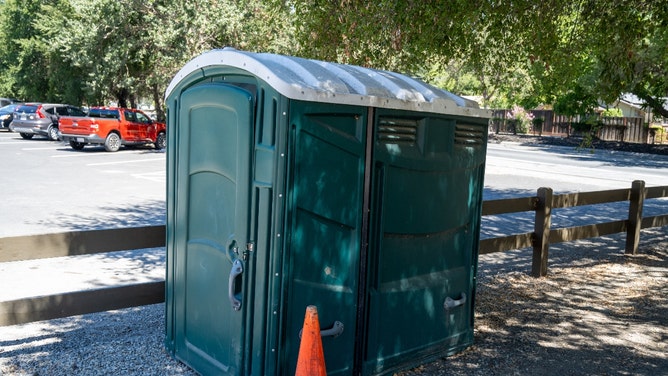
{"x": 49, "y": 187}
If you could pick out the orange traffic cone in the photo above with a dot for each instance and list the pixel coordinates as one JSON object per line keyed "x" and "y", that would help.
{"x": 311, "y": 360}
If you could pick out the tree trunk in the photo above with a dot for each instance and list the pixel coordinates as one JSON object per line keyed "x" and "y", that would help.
{"x": 655, "y": 104}
{"x": 122, "y": 95}
{"x": 157, "y": 102}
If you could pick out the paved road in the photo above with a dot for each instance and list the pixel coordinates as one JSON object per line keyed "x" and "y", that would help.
{"x": 513, "y": 169}
{"x": 48, "y": 187}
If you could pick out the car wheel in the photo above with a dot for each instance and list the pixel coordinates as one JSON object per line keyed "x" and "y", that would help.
{"x": 77, "y": 145}
{"x": 27, "y": 136}
{"x": 113, "y": 142}
{"x": 161, "y": 141}
{"x": 52, "y": 133}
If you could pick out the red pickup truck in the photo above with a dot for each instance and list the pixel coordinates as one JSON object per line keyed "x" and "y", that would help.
{"x": 112, "y": 127}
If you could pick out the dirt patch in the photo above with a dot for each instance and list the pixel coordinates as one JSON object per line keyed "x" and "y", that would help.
{"x": 606, "y": 317}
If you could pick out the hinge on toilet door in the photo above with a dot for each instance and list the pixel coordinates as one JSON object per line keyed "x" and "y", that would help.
{"x": 249, "y": 248}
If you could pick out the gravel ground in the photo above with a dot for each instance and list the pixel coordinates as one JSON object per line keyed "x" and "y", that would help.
{"x": 123, "y": 342}
{"x": 597, "y": 313}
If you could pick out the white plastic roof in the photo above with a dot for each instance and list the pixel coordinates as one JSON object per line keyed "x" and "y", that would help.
{"x": 319, "y": 81}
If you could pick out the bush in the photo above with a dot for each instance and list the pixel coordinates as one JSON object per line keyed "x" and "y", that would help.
{"x": 537, "y": 123}
{"x": 658, "y": 134}
{"x": 612, "y": 112}
{"x": 588, "y": 129}
{"x": 521, "y": 119}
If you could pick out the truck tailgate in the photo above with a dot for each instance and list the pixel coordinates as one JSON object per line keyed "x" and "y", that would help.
{"x": 75, "y": 125}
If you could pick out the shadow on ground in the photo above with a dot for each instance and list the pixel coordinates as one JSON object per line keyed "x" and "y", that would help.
{"x": 148, "y": 213}
{"x": 597, "y": 313}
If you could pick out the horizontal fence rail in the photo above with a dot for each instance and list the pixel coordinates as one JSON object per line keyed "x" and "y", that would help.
{"x": 99, "y": 241}
{"x": 80, "y": 302}
{"x": 543, "y": 235}
{"x": 19, "y": 248}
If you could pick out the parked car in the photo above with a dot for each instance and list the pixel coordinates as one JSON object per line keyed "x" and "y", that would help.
{"x": 112, "y": 127}
{"x": 32, "y": 119}
{"x": 6, "y": 101}
{"x": 7, "y": 114}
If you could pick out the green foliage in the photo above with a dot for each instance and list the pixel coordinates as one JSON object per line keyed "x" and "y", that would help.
{"x": 564, "y": 52}
{"x": 588, "y": 130}
{"x": 537, "y": 123}
{"x": 96, "y": 51}
{"x": 518, "y": 51}
{"x": 20, "y": 58}
{"x": 612, "y": 112}
{"x": 635, "y": 57}
{"x": 590, "y": 124}
{"x": 658, "y": 134}
{"x": 577, "y": 101}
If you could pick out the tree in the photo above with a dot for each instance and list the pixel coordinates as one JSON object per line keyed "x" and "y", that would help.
{"x": 107, "y": 41}
{"x": 510, "y": 52}
{"x": 488, "y": 40}
{"x": 184, "y": 29}
{"x": 23, "y": 60}
{"x": 540, "y": 48}
{"x": 93, "y": 51}
{"x": 632, "y": 49}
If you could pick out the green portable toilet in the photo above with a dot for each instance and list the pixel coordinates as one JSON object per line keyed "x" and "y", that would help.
{"x": 295, "y": 182}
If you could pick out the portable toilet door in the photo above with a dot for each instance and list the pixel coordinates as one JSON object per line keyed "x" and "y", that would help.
{"x": 211, "y": 198}
{"x": 427, "y": 182}
{"x": 325, "y": 225}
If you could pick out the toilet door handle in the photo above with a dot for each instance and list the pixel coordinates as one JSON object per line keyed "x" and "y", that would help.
{"x": 237, "y": 270}
{"x": 453, "y": 303}
{"x": 335, "y": 331}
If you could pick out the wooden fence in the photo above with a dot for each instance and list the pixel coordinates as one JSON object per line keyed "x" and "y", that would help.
{"x": 622, "y": 129}
{"x": 99, "y": 241}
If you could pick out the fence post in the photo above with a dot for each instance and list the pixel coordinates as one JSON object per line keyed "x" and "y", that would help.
{"x": 541, "y": 241}
{"x": 637, "y": 200}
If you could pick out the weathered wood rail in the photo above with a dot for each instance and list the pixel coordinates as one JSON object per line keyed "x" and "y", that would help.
{"x": 31, "y": 309}
{"x": 543, "y": 235}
